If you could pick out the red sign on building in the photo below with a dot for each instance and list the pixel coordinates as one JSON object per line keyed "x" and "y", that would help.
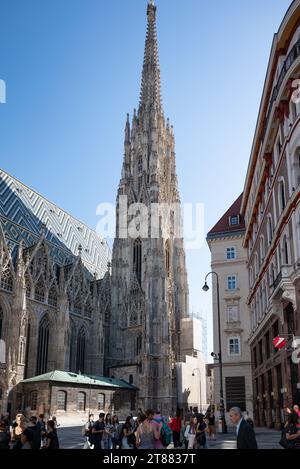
{"x": 279, "y": 342}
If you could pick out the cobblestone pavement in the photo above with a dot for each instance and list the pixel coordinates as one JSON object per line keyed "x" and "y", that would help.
{"x": 71, "y": 438}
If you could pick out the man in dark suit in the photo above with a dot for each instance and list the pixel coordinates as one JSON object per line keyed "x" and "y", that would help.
{"x": 244, "y": 432}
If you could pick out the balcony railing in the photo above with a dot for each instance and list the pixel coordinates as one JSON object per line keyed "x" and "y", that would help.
{"x": 291, "y": 58}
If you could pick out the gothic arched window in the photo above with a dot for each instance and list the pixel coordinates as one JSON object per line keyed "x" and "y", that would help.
{"x": 137, "y": 259}
{"x": 39, "y": 292}
{"x": 43, "y": 342}
{"x": 28, "y": 285}
{"x": 77, "y": 307}
{"x": 6, "y": 279}
{"x": 168, "y": 258}
{"x": 52, "y": 297}
{"x": 88, "y": 309}
{"x": 80, "y": 356}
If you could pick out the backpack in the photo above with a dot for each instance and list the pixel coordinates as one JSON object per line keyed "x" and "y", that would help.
{"x": 166, "y": 434}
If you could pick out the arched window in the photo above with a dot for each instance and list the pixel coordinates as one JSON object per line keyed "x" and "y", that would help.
{"x": 33, "y": 400}
{"x": 61, "y": 400}
{"x": 272, "y": 274}
{"x": 117, "y": 402}
{"x": 7, "y": 279}
{"x": 52, "y": 297}
{"x": 43, "y": 342}
{"x": 39, "y": 292}
{"x": 77, "y": 306}
{"x": 1, "y": 321}
{"x": 251, "y": 276}
{"x": 167, "y": 250}
{"x": 81, "y": 400}
{"x": 101, "y": 401}
{"x": 285, "y": 249}
{"x": 281, "y": 196}
{"x": 262, "y": 250}
{"x": 80, "y": 356}
{"x": 88, "y": 309}
{"x": 255, "y": 264}
{"x": 138, "y": 345}
{"x": 137, "y": 259}
{"x": 270, "y": 229}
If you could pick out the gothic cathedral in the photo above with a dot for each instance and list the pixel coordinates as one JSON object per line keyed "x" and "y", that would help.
{"x": 149, "y": 279}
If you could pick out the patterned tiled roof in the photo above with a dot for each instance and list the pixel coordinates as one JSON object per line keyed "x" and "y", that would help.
{"x": 223, "y": 226}
{"x": 73, "y": 378}
{"x": 24, "y": 214}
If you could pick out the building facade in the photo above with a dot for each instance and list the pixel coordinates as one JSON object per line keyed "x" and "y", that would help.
{"x": 149, "y": 279}
{"x": 191, "y": 369}
{"x": 229, "y": 262}
{"x": 71, "y": 397}
{"x": 54, "y": 290}
{"x": 271, "y": 207}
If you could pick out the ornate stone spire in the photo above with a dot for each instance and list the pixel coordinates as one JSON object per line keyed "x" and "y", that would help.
{"x": 150, "y": 89}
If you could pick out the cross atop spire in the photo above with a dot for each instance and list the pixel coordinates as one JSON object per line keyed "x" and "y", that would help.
{"x": 150, "y": 89}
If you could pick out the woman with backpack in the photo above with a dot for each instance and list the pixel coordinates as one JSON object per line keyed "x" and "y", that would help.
{"x": 165, "y": 433}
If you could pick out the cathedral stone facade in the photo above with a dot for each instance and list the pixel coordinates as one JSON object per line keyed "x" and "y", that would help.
{"x": 149, "y": 280}
{"x": 54, "y": 290}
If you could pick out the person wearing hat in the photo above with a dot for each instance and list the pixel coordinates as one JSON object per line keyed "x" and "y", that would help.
{"x": 27, "y": 438}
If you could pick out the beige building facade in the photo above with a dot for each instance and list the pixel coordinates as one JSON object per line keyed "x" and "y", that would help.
{"x": 229, "y": 262}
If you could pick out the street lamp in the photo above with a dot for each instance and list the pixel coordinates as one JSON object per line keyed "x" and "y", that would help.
{"x": 219, "y": 356}
{"x": 193, "y": 374}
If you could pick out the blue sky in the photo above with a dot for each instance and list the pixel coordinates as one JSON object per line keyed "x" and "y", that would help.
{"x": 72, "y": 70}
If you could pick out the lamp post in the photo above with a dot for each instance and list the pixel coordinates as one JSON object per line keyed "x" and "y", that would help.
{"x": 193, "y": 374}
{"x": 219, "y": 356}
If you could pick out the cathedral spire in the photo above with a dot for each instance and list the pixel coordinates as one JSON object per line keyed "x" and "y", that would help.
{"x": 150, "y": 89}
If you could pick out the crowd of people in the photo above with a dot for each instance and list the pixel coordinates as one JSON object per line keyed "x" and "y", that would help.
{"x": 150, "y": 430}
{"x": 32, "y": 433}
